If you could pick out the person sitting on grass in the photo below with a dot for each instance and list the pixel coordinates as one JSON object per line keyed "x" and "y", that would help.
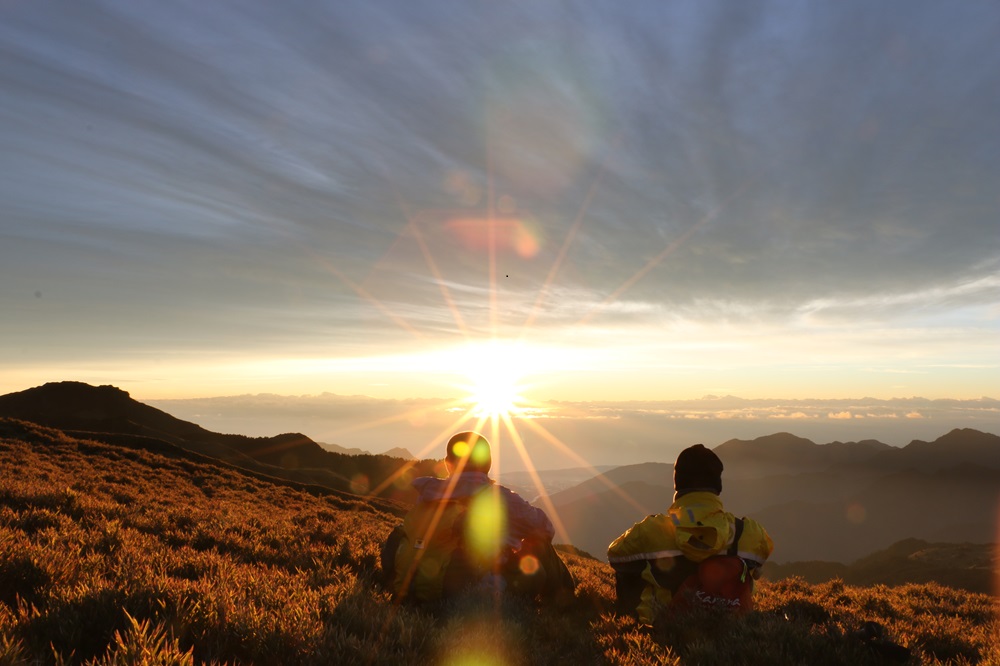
{"x": 695, "y": 554}
{"x": 466, "y": 531}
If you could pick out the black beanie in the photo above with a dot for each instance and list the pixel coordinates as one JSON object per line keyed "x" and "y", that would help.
{"x": 698, "y": 468}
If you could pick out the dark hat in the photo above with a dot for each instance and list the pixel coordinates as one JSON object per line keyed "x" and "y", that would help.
{"x": 698, "y": 468}
{"x": 469, "y": 452}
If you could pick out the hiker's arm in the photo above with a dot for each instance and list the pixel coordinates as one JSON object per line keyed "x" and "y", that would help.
{"x": 387, "y": 555}
{"x": 526, "y": 521}
{"x": 755, "y": 544}
{"x": 628, "y": 586}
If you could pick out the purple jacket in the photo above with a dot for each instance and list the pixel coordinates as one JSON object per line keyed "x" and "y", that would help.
{"x": 523, "y": 520}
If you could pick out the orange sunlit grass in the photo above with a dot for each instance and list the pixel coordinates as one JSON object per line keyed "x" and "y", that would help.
{"x": 118, "y": 554}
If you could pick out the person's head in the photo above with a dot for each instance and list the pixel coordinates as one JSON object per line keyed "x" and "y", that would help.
{"x": 468, "y": 452}
{"x": 697, "y": 468}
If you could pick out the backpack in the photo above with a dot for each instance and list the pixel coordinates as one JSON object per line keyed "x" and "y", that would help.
{"x": 721, "y": 581}
{"x": 432, "y": 561}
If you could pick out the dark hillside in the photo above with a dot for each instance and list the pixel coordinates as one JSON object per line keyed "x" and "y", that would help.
{"x": 966, "y": 566}
{"x": 122, "y": 555}
{"x": 79, "y": 406}
{"x": 105, "y": 412}
{"x": 957, "y": 505}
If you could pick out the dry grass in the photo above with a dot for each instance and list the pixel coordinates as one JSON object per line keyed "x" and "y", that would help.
{"x": 110, "y": 555}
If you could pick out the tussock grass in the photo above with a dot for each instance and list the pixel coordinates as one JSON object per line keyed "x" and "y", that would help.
{"x": 116, "y": 556}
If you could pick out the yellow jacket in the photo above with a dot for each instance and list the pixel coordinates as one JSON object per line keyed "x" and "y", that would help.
{"x": 694, "y": 528}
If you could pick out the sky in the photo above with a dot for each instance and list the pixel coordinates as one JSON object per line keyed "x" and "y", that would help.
{"x": 604, "y": 202}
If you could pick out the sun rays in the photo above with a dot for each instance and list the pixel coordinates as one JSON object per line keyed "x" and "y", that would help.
{"x": 494, "y": 374}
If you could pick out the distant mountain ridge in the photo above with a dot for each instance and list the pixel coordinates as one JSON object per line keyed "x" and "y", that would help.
{"x": 786, "y": 452}
{"x": 106, "y": 410}
{"x": 836, "y": 501}
{"x": 397, "y": 452}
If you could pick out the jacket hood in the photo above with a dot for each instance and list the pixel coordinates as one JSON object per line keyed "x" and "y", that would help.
{"x": 701, "y": 526}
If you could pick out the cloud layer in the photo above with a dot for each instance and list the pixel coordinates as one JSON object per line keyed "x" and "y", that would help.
{"x": 602, "y": 433}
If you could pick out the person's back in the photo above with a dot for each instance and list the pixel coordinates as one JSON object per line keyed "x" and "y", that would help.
{"x": 695, "y": 553}
{"x": 466, "y": 530}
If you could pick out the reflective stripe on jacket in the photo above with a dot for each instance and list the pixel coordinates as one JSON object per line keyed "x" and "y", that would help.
{"x": 695, "y": 527}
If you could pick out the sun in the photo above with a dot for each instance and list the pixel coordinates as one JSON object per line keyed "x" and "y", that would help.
{"x": 496, "y": 374}
{"x": 495, "y": 393}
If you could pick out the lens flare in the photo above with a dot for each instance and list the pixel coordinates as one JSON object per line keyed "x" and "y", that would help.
{"x": 464, "y": 188}
{"x": 486, "y": 526}
{"x": 513, "y": 234}
{"x": 360, "y": 484}
{"x": 529, "y": 565}
{"x": 461, "y": 449}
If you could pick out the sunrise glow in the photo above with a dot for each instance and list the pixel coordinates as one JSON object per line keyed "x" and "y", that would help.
{"x": 496, "y": 375}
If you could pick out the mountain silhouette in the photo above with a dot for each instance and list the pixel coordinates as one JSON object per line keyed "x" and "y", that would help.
{"x": 960, "y": 446}
{"x": 109, "y": 413}
{"x": 784, "y": 452}
{"x": 76, "y": 406}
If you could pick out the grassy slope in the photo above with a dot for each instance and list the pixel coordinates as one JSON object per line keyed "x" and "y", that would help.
{"x": 110, "y": 555}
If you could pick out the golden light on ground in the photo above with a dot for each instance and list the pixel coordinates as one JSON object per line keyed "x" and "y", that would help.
{"x": 479, "y": 636}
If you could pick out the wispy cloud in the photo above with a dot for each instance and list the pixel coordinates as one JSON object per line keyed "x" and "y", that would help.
{"x": 273, "y": 177}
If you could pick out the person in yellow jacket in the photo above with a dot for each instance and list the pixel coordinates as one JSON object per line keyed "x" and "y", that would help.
{"x": 657, "y": 555}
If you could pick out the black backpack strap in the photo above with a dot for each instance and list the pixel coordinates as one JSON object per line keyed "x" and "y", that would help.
{"x": 673, "y": 573}
{"x": 734, "y": 547}
{"x": 387, "y": 555}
